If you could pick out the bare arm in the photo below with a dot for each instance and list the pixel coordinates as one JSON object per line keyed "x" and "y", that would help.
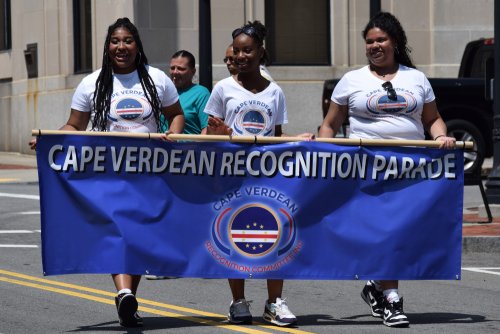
{"x": 435, "y": 126}
{"x": 78, "y": 121}
{"x": 175, "y": 118}
{"x": 333, "y": 120}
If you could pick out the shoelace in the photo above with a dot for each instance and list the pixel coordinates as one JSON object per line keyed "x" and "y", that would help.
{"x": 396, "y": 307}
{"x": 282, "y": 308}
{"x": 242, "y": 305}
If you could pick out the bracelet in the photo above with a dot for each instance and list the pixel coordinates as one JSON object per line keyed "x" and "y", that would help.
{"x": 435, "y": 138}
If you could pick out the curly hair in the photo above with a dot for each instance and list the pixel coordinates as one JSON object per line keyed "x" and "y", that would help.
{"x": 390, "y": 24}
{"x": 258, "y": 32}
{"x": 104, "y": 83}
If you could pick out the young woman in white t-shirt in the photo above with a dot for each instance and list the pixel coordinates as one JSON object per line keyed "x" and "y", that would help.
{"x": 248, "y": 104}
{"x": 125, "y": 95}
{"x": 387, "y": 99}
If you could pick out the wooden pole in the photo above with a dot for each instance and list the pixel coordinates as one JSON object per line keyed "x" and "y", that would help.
{"x": 467, "y": 145}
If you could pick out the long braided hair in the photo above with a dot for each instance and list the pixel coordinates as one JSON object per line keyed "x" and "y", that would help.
{"x": 104, "y": 83}
{"x": 390, "y": 24}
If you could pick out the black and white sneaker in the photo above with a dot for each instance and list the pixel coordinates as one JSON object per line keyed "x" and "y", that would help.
{"x": 374, "y": 298}
{"x": 126, "y": 305}
{"x": 394, "y": 315}
{"x": 279, "y": 314}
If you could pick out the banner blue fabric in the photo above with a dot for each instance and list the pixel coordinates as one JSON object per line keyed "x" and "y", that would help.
{"x": 305, "y": 210}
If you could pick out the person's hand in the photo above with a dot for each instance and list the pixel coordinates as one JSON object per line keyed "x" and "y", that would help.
{"x": 216, "y": 126}
{"x": 307, "y": 136}
{"x": 446, "y": 142}
{"x": 164, "y": 136}
{"x": 32, "y": 144}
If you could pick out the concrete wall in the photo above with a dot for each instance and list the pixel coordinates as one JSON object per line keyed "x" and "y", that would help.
{"x": 437, "y": 30}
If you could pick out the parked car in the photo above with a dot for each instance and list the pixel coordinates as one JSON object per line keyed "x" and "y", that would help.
{"x": 465, "y": 103}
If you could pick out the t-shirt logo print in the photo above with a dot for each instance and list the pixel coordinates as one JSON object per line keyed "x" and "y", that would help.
{"x": 129, "y": 109}
{"x": 381, "y": 104}
{"x": 251, "y": 122}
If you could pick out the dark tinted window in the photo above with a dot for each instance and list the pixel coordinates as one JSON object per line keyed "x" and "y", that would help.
{"x": 5, "y": 34}
{"x": 479, "y": 61}
{"x": 82, "y": 33}
{"x": 298, "y": 32}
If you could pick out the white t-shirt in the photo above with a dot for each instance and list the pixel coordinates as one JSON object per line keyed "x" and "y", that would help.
{"x": 247, "y": 113}
{"x": 130, "y": 110}
{"x": 372, "y": 115}
{"x": 265, "y": 73}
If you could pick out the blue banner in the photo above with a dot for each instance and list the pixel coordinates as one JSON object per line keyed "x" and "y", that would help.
{"x": 304, "y": 210}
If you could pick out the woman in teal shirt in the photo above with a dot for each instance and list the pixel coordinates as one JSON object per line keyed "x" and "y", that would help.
{"x": 193, "y": 97}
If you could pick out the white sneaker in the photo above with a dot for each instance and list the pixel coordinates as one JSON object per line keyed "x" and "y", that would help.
{"x": 279, "y": 314}
{"x": 154, "y": 277}
{"x": 239, "y": 312}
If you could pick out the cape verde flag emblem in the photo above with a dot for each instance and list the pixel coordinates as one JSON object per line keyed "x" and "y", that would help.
{"x": 253, "y": 122}
{"x": 254, "y": 230}
{"x": 129, "y": 109}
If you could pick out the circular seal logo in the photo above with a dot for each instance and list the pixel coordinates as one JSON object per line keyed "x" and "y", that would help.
{"x": 254, "y": 230}
{"x": 380, "y": 104}
{"x": 252, "y": 122}
{"x": 129, "y": 109}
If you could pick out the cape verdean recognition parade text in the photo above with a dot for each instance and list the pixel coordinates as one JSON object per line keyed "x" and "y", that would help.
{"x": 249, "y": 163}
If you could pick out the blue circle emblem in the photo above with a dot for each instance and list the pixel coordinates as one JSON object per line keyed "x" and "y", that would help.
{"x": 254, "y": 230}
{"x": 253, "y": 122}
{"x": 129, "y": 109}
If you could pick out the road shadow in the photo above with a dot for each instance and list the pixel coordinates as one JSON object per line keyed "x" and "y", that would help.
{"x": 427, "y": 318}
{"x": 165, "y": 323}
{"x": 154, "y": 323}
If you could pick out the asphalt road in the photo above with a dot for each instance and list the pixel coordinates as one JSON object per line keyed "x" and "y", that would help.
{"x": 31, "y": 303}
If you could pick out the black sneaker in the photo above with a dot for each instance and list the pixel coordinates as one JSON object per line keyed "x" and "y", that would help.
{"x": 394, "y": 315}
{"x": 126, "y": 304}
{"x": 239, "y": 312}
{"x": 374, "y": 298}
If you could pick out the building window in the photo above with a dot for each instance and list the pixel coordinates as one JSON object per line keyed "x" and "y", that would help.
{"x": 82, "y": 32}
{"x": 298, "y": 32}
{"x": 5, "y": 38}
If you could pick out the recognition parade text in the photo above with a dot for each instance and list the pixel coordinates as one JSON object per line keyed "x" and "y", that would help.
{"x": 254, "y": 163}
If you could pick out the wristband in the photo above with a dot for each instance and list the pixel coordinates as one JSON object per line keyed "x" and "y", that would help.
{"x": 435, "y": 138}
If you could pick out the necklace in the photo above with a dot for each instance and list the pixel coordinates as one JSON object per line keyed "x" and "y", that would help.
{"x": 388, "y": 73}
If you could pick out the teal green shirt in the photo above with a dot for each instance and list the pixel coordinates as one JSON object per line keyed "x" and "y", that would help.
{"x": 193, "y": 101}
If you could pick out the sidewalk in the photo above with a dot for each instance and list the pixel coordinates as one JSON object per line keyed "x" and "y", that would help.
{"x": 477, "y": 236}
{"x": 18, "y": 168}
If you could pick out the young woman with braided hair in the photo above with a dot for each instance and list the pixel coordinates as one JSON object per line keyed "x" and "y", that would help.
{"x": 125, "y": 95}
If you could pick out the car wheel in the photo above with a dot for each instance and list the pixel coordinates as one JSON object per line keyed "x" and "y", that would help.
{"x": 466, "y": 131}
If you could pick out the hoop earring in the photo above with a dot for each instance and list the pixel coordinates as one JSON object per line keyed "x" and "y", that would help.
{"x": 140, "y": 56}
{"x": 396, "y": 50}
